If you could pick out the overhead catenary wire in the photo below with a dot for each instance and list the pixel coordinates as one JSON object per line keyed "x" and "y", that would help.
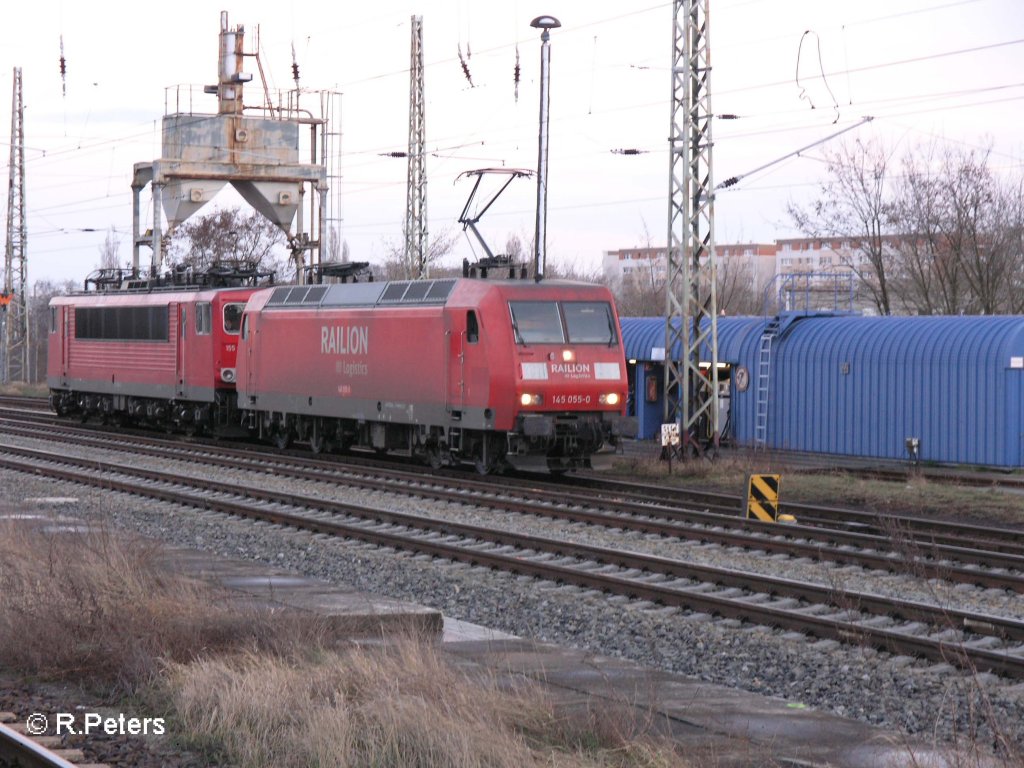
{"x": 733, "y": 180}
{"x": 589, "y": 109}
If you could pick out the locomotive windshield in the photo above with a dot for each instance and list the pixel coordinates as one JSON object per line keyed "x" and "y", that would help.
{"x": 552, "y": 322}
{"x": 536, "y": 322}
{"x": 589, "y": 322}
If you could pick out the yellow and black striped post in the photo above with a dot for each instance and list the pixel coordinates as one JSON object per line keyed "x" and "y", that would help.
{"x": 763, "y": 497}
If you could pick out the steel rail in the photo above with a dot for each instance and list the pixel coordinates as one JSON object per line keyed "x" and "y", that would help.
{"x": 944, "y": 532}
{"x": 680, "y": 503}
{"x": 959, "y": 654}
{"x": 18, "y": 749}
{"x": 768, "y": 537}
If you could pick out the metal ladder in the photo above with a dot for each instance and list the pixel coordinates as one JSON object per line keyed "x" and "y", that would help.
{"x": 764, "y": 374}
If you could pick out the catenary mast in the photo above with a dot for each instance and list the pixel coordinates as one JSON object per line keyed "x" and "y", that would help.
{"x": 15, "y": 297}
{"x": 691, "y": 383}
{"x": 416, "y": 183}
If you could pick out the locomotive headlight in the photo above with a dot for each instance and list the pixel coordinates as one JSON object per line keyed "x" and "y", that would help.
{"x": 568, "y": 356}
{"x": 612, "y": 398}
{"x": 528, "y": 399}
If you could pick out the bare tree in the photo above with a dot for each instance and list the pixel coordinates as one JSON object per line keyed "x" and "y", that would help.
{"x": 979, "y": 212}
{"x": 109, "y": 251}
{"x": 735, "y": 288}
{"x": 230, "y": 237}
{"x": 515, "y": 249}
{"x": 572, "y": 270}
{"x": 39, "y": 323}
{"x": 397, "y": 266}
{"x": 1014, "y": 285}
{"x": 927, "y": 277}
{"x": 641, "y": 293}
{"x": 855, "y": 205}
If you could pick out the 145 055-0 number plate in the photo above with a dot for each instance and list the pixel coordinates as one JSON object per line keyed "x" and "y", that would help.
{"x": 571, "y": 399}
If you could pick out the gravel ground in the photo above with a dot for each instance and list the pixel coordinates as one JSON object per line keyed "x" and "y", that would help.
{"x": 929, "y": 701}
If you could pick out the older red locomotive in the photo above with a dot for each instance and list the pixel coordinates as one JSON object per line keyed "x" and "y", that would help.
{"x": 496, "y": 374}
{"x": 161, "y": 357}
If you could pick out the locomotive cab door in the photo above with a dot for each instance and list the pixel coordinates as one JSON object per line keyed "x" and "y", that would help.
{"x": 248, "y": 338}
{"x": 455, "y": 363}
{"x": 65, "y": 343}
{"x": 180, "y": 326}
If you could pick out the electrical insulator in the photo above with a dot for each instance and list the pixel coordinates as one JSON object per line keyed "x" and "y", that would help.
{"x": 516, "y": 73}
{"x": 295, "y": 71}
{"x": 465, "y": 67}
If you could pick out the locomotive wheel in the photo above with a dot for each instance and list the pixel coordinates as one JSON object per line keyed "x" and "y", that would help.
{"x": 434, "y": 458}
{"x": 481, "y": 466}
{"x": 282, "y": 439}
{"x": 317, "y": 443}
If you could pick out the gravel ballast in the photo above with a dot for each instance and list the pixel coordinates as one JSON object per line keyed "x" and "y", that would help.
{"x": 913, "y": 697}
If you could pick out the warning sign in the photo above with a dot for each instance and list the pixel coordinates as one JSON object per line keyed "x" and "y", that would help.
{"x": 763, "y": 497}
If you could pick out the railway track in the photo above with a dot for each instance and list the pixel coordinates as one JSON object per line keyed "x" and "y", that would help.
{"x": 19, "y": 749}
{"x": 970, "y": 641}
{"x": 951, "y": 558}
{"x": 917, "y": 531}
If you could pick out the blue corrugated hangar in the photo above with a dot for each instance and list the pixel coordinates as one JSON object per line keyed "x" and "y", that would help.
{"x": 949, "y": 388}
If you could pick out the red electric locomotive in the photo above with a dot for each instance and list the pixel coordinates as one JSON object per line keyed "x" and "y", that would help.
{"x": 158, "y": 357}
{"x": 503, "y": 373}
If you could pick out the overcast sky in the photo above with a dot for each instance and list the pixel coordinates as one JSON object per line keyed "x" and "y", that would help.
{"x": 944, "y": 70}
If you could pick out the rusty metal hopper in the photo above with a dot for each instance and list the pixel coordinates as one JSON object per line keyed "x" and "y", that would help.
{"x": 184, "y": 197}
{"x": 276, "y": 200}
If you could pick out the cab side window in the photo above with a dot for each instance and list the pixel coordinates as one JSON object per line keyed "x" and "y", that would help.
{"x": 472, "y": 328}
{"x": 204, "y": 319}
{"x": 233, "y": 318}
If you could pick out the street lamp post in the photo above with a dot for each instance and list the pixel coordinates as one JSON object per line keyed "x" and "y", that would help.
{"x": 544, "y": 23}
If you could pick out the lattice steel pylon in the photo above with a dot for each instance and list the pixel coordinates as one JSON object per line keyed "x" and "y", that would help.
{"x": 690, "y": 394}
{"x": 416, "y": 182}
{"x": 16, "y": 328}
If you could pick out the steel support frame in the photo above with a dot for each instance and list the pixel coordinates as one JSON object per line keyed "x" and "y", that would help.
{"x": 690, "y": 394}
{"x": 16, "y": 325}
{"x": 416, "y": 179}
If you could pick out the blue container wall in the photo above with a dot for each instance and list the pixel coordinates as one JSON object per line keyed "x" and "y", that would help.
{"x": 642, "y": 335}
{"x": 861, "y": 386}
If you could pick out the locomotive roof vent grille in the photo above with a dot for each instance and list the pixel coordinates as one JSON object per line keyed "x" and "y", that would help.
{"x": 418, "y": 292}
{"x": 297, "y": 295}
{"x": 362, "y": 294}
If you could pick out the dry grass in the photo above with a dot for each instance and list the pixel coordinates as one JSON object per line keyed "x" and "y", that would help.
{"x": 94, "y": 609}
{"x": 399, "y": 704}
{"x": 246, "y": 688}
{"x": 916, "y": 495}
{"x": 27, "y": 390}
